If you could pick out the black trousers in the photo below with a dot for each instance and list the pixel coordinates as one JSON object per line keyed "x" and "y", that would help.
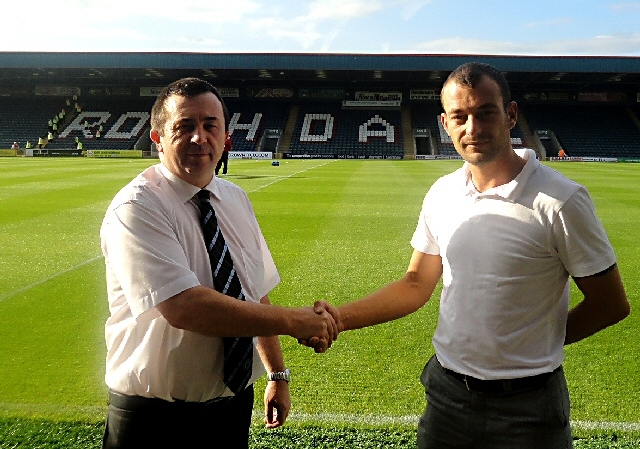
{"x": 136, "y": 422}
{"x": 224, "y": 160}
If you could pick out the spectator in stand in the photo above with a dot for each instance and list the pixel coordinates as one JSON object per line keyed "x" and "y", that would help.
{"x": 224, "y": 159}
{"x": 505, "y": 233}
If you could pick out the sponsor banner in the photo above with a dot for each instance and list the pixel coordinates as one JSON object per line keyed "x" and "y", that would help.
{"x": 336, "y": 156}
{"x": 361, "y": 156}
{"x": 270, "y": 92}
{"x": 110, "y": 91}
{"x": 8, "y": 153}
{"x": 57, "y": 91}
{"x": 600, "y": 159}
{"x": 250, "y": 155}
{"x": 272, "y": 133}
{"x": 67, "y": 152}
{"x": 628, "y": 159}
{"x": 543, "y": 134}
{"x": 17, "y": 91}
{"x": 424, "y": 94}
{"x": 548, "y": 96}
{"x": 602, "y": 97}
{"x": 150, "y": 91}
{"x": 309, "y": 156}
{"x": 371, "y": 104}
{"x": 229, "y": 92}
{"x": 114, "y": 153}
{"x": 377, "y": 96}
{"x": 566, "y": 159}
{"x": 433, "y": 157}
{"x": 328, "y": 94}
{"x": 584, "y": 159}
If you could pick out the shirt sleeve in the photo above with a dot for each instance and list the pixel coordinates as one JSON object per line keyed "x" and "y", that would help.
{"x": 582, "y": 243}
{"x": 144, "y": 254}
{"x": 422, "y": 239}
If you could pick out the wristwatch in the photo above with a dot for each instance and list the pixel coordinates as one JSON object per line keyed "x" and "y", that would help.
{"x": 280, "y": 375}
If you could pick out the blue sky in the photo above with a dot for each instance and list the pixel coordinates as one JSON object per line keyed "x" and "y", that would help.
{"x": 511, "y": 27}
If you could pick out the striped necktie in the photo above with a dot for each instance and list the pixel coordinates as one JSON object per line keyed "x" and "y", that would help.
{"x": 238, "y": 351}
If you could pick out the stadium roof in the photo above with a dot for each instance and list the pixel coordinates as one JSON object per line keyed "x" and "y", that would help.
{"x": 550, "y": 73}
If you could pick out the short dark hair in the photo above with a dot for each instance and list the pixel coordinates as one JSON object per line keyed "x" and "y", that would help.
{"x": 471, "y": 73}
{"x": 185, "y": 87}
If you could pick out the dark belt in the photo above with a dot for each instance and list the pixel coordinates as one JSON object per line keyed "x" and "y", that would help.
{"x": 496, "y": 386}
{"x": 138, "y": 403}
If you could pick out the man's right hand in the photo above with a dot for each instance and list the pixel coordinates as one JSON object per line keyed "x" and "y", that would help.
{"x": 318, "y": 342}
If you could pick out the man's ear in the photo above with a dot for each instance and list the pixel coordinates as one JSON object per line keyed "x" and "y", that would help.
{"x": 155, "y": 138}
{"x": 443, "y": 120}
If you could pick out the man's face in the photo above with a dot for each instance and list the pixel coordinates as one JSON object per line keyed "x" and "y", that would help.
{"x": 193, "y": 137}
{"x": 477, "y": 121}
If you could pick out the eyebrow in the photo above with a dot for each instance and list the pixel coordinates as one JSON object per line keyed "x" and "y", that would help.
{"x": 482, "y": 107}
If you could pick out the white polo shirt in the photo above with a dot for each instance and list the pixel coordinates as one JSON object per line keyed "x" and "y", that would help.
{"x": 507, "y": 255}
{"x": 153, "y": 248}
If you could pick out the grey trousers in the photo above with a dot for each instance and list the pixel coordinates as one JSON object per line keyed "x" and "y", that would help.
{"x": 456, "y": 418}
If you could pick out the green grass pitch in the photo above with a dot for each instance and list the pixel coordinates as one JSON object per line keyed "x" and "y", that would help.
{"x": 337, "y": 230}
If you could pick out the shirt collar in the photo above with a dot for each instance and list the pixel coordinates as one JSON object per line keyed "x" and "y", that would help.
{"x": 511, "y": 190}
{"x": 183, "y": 189}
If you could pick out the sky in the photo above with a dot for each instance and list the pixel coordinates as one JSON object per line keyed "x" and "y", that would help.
{"x": 489, "y": 27}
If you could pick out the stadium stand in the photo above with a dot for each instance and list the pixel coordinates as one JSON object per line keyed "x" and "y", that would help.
{"x": 123, "y": 122}
{"x": 319, "y": 105}
{"x": 251, "y": 119}
{"x": 588, "y": 130}
{"x": 329, "y": 130}
{"x": 26, "y": 119}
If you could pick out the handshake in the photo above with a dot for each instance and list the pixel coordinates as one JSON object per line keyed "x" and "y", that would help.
{"x": 323, "y": 328}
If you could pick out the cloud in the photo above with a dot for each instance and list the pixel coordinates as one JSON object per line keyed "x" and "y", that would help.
{"x": 626, "y": 7}
{"x": 409, "y": 8}
{"x": 606, "y": 45}
{"x": 317, "y": 25}
{"x": 321, "y": 10}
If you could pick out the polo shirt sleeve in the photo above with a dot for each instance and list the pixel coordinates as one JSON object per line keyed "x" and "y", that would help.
{"x": 143, "y": 253}
{"x": 581, "y": 241}
{"x": 422, "y": 239}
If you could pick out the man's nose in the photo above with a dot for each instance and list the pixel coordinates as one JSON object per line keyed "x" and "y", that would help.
{"x": 198, "y": 135}
{"x": 473, "y": 125}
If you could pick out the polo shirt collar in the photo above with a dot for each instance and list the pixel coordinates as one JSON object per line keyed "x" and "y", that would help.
{"x": 512, "y": 190}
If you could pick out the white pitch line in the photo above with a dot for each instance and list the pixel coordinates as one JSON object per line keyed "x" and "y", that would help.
{"x": 291, "y": 175}
{"x": 314, "y": 418}
{"x": 47, "y": 279}
{"x": 340, "y": 418}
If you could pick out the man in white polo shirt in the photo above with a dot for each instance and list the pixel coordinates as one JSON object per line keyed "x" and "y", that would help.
{"x": 504, "y": 233}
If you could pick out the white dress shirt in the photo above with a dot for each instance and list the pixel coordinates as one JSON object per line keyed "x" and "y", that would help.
{"x": 154, "y": 249}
